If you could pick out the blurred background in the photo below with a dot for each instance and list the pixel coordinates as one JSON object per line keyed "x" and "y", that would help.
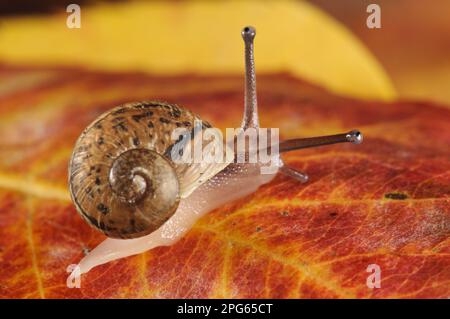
{"x": 413, "y": 44}
{"x": 325, "y": 42}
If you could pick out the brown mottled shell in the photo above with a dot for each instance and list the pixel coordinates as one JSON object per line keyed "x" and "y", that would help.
{"x": 121, "y": 176}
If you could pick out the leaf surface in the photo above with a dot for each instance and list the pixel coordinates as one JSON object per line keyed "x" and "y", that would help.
{"x": 384, "y": 202}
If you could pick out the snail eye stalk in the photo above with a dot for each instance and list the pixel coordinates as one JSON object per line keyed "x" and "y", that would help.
{"x": 251, "y": 104}
{"x": 250, "y": 118}
{"x": 354, "y": 137}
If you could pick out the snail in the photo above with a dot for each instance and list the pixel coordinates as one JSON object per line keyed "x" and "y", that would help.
{"x": 124, "y": 181}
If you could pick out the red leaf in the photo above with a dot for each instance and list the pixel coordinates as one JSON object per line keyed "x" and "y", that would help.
{"x": 384, "y": 202}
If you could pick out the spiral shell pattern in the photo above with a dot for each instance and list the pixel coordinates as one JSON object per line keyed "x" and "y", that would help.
{"x": 121, "y": 177}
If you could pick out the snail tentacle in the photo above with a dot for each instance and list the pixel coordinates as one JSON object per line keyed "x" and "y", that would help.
{"x": 251, "y": 118}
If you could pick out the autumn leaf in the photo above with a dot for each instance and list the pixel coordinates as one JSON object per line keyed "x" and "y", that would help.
{"x": 384, "y": 202}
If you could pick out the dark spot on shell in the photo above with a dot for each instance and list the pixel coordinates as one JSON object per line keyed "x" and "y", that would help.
{"x": 118, "y": 119}
{"x": 138, "y": 117}
{"x": 206, "y": 124}
{"x": 396, "y": 196}
{"x": 119, "y": 111}
{"x": 284, "y": 213}
{"x": 148, "y": 104}
{"x": 102, "y": 209}
{"x": 97, "y": 181}
{"x": 150, "y": 124}
{"x": 333, "y": 214}
{"x": 164, "y": 120}
{"x": 88, "y": 189}
{"x": 133, "y": 224}
{"x": 98, "y": 126}
{"x": 100, "y": 140}
{"x": 122, "y": 126}
{"x": 91, "y": 219}
{"x": 175, "y": 113}
{"x": 186, "y": 123}
{"x": 98, "y": 170}
{"x": 258, "y": 229}
{"x": 136, "y": 141}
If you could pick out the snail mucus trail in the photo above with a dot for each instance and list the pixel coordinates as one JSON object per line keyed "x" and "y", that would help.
{"x": 123, "y": 182}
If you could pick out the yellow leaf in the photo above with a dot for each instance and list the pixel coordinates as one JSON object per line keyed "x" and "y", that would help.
{"x": 201, "y": 37}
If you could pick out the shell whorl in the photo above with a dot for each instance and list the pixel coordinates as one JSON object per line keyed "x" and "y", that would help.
{"x": 121, "y": 180}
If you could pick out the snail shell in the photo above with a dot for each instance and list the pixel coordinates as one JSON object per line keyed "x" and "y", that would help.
{"x": 121, "y": 175}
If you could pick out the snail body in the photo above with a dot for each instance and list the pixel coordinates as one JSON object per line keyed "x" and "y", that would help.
{"x": 125, "y": 183}
{"x": 235, "y": 182}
